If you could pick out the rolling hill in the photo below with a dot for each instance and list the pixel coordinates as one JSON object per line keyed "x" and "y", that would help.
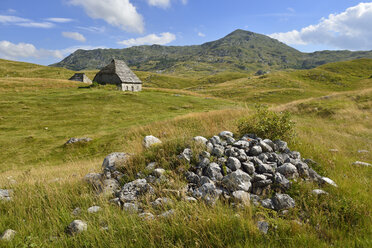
{"x": 240, "y": 51}
{"x": 40, "y": 110}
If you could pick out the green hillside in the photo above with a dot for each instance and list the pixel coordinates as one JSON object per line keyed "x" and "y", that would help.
{"x": 239, "y": 51}
{"x": 40, "y": 110}
{"x": 283, "y": 87}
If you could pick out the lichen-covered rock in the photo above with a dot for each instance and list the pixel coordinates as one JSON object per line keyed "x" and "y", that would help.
{"x": 215, "y": 140}
{"x": 78, "y": 140}
{"x": 167, "y": 214}
{"x": 161, "y": 202}
{"x": 237, "y": 180}
{"x": 77, "y": 226}
{"x": 213, "y": 171}
{"x": 94, "y": 209}
{"x": 319, "y": 192}
{"x": 150, "y": 141}
{"x": 110, "y": 186}
{"x": 8, "y": 235}
{"x": 281, "y": 145}
{"x": 281, "y": 181}
{"x": 241, "y": 197}
{"x": 362, "y": 163}
{"x": 218, "y": 151}
{"x": 150, "y": 167}
{"x": 191, "y": 177}
{"x": 255, "y": 150}
{"x": 207, "y": 189}
{"x": 233, "y": 163}
{"x": 265, "y": 147}
{"x": 326, "y": 180}
{"x": 146, "y": 216}
{"x": 282, "y": 201}
{"x": 303, "y": 169}
{"x": 248, "y": 167}
{"x": 130, "y": 207}
{"x": 268, "y": 203}
{"x": 113, "y": 161}
{"x": 226, "y": 134}
{"x": 5, "y": 195}
{"x": 263, "y": 226}
{"x": 288, "y": 170}
{"x": 186, "y": 155}
{"x": 95, "y": 180}
{"x": 131, "y": 191}
{"x": 158, "y": 172}
{"x": 200, "y": 140}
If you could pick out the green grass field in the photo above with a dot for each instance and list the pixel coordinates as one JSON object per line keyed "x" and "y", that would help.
{"x": 40, "y": 110}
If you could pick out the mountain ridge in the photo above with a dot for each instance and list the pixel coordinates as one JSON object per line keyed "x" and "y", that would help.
{"x": 241, "y": 51}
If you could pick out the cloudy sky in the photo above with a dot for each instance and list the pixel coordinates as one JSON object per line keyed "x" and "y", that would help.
{"x": 44, "y": 32}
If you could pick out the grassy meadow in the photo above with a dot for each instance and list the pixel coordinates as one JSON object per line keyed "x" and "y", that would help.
{"x": 40, "y": 110}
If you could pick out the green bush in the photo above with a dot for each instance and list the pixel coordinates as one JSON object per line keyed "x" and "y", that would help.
{"x": 268, "y": 124}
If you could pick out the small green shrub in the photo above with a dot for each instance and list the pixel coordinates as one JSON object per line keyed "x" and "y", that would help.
{"x": 268, "y": 124}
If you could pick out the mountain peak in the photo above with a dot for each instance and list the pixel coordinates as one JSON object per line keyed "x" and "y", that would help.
{"x": 240, "y": 32}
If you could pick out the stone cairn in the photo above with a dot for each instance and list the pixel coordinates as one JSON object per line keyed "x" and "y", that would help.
{"x": 243, "y": 171}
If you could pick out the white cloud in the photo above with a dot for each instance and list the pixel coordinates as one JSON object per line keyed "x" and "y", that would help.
{"x": 36, "y": 24}
{"x": 74, "y": 35}
{"x": 93, "y": 29}
{"x": 59, "y": 19}
{"x": 159, "y": 3}
{"x": 19, "y": 21}
{"x": 201, "y": 34}
{"x": 10, "y": 50}
{"x": 120, "y": 13}
{"x": 163, "y": 3}
{"x": 11, "y": 11}
{"x": 12, "y": 19}
{"x": 350, "y": 29}
{"x": 162, "y": 39}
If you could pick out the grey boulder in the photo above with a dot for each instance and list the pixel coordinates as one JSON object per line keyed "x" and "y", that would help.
{"x": 200, "y": 140}
{"x": 78, "y": 140}
{"x": 237, "y": 180}
{"x": 288, "y": 170}
{"x": 113, "y": 161}
{"x": 5, "y": 195}
{"x": 131, "y": 191}
{"x": 8, "y": 235}
{"x": 77, "y": 226}
{"x": 213, "y": 171}
{"x": 233, "y": 163}
{"x": 226, "y": 134}
{"x": 241, "y": 196}
{"x": 282, "y": 201}
{"x": 150, "y": 141}
{"x": 263, "y": 226}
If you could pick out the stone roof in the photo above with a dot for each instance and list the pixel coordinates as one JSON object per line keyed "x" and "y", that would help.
{"x": 120, "y": 69}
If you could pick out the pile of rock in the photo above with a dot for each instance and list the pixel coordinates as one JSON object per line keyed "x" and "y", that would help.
{"x": 247, "y": 168}
{"x": 243, "y": 171}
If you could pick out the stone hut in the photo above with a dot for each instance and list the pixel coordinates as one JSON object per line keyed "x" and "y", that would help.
{"x": 81, "y": 77}
{"x": 118, "y": 73}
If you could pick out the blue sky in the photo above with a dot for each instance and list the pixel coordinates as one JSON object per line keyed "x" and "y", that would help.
{"x": 44, "y": 32}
